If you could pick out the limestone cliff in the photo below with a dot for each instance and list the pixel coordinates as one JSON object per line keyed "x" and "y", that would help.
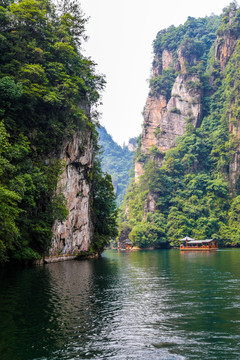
{"x": 165, "y": 120}
{"x": 75, "y": 234}
{"x": 227, "y": 48}
{"x": 226, "y": 42}
{"x": 132, "y": 145}
{"x": 224, "y": 49}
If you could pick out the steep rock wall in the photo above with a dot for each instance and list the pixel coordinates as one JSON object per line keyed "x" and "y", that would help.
{"x": 165, "y": 121}
{"x": 226, "y": 43}
{"x": 153, "y": 113}
{"x": 184, "y": 106}
{"x": 225, "y": 48}
{"x": 75, "y": 234}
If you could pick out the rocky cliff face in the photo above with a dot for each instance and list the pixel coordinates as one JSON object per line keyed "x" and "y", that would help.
{"x": 183, "y": 107}
{"x": 226, "y": 43}
{"x": 75, "y": 234}
{"x": 226, "y": 47}
{"x": 132, "y": 145}
{"x": 165, "y": 120}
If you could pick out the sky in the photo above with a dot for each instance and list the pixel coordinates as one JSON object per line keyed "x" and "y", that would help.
{"x": 121, "y": 34}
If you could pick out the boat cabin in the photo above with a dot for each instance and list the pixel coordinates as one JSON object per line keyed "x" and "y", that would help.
{"x": 192, "y": 244}
{"x": 128, "y": 245}
{"x": 125, "y": 245}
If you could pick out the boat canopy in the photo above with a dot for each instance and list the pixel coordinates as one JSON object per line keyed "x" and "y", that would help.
{"x": 193, "y": 241}
{"x": 200, "y": 241}
{"x": 127, "y": 242}
{"x": 187, "y": 238}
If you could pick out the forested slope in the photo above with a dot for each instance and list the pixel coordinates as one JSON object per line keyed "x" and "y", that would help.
{"x": 187, "y": 181}
{"x": 116, "y": 161}
{"x": 47, "y": 89}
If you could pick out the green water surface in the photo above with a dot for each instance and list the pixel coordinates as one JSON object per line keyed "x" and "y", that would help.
{"x": 139, "y": 305}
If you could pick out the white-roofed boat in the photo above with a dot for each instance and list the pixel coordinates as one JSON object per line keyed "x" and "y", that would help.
{"x": 188, "y": 243}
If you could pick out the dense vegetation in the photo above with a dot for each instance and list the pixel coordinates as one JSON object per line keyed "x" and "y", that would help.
{"x": 116, "y": 161}
{"x": 196, "y": 192}
{"x": 46, "y": 91}
{"x": 192, "y": 41}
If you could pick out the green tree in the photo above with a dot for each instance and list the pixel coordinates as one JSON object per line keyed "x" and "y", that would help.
{"x": 104, "y": 209}
{"x": 116, "y": 161}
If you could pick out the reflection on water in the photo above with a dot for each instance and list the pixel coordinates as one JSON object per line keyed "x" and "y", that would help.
{"x": 139, "y": 305}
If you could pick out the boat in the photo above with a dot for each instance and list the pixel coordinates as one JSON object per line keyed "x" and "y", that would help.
{"x": 189, "y": 244}
{"x": 125, "y": 245}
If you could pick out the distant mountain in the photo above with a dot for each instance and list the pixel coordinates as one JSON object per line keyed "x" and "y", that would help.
{"x": 117, "y": 161}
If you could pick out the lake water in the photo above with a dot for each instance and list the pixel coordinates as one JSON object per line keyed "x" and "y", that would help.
{"x": 138, "y": 305}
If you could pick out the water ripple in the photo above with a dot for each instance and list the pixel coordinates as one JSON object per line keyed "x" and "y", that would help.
{"x": 143, "y": 305}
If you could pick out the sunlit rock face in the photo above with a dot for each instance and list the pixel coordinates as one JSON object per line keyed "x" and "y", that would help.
{"x": 154, "y": 110}
{"x": 138, "y": 170}
{"x": 224, "y": 49}
{"x": 225, "y": 44}
{"x": 75, "y": 234}
{"x": 167, "y": 59}
{"x": 165, "y": 121}
{"x": 183, "y": 107}
{"x": 132, "y": 145}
